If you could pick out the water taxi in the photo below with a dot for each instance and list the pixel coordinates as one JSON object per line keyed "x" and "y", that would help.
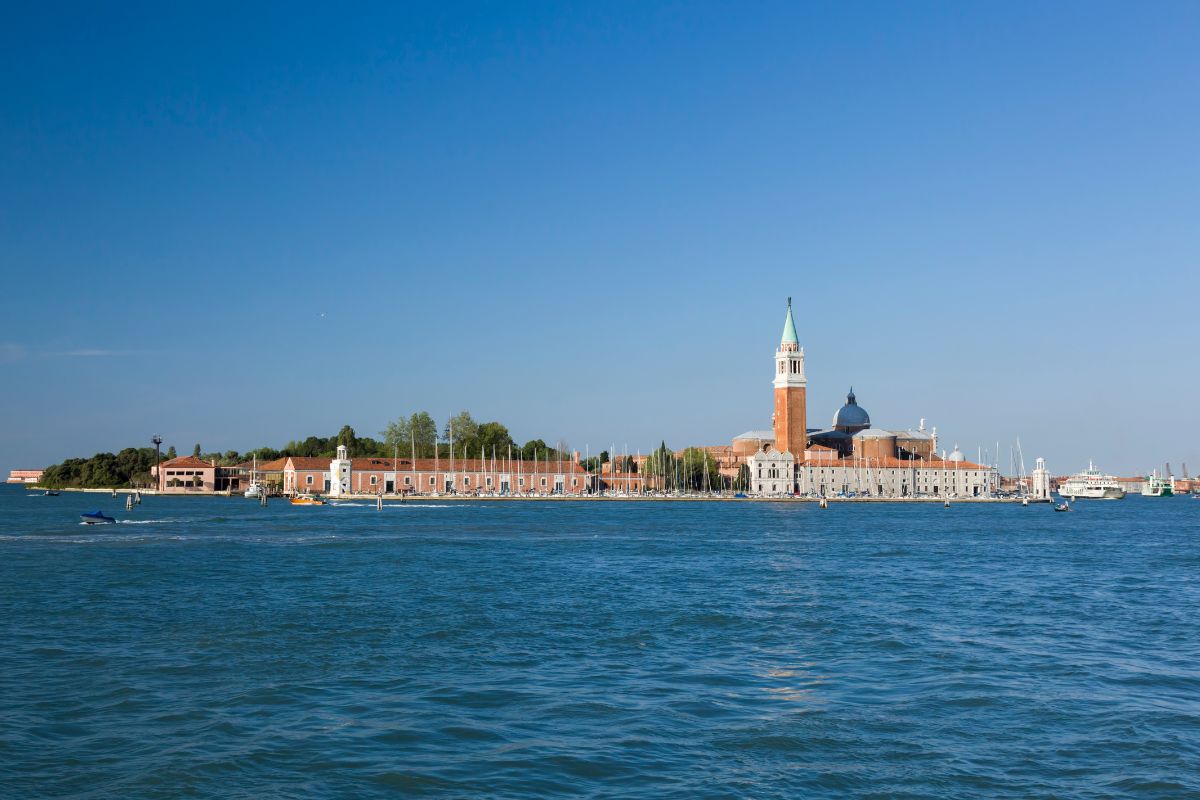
{"x": 1091, "y": 484}
{"x": 307, "y": 500}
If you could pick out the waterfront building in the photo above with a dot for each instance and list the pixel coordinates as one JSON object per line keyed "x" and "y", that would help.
{"x": 184, "y": 475}
{"x": 849, "y": 458}
{"x": 25, "y": 475}
{"x": 192, "y": 475}
{"x": 343, "y": 475}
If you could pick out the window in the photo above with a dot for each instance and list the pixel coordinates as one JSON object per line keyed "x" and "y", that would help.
{"x": 407, "y": 480}
{"x": 431, "y": 481}
{"x": 543, "y": 481}
{"x": 466, "y": 480}
{"x": 374, "y": 479}
{"x": 489, "y": 482}
{"x": 308, "y": 479}
{"x": 520, "y": 481}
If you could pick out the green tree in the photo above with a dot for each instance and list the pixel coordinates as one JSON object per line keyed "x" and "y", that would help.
{"x": 660, "y": 465}
{"x": 539, "y": 449}
{"x": 742, "y": 482}
{"x": 461, "y": 431}
{"x": 103, "y": 470}
{"x": 396, "y": 435}
{"x": 347, "y": 437}
{"x": 423, "y": 430}
{"x": 171, "y": 453}
{"x": 694, "y": 463}
{"x": 196, "y": 451}
{"x": 402, "y": 436}
{"x": 492, "y": 437}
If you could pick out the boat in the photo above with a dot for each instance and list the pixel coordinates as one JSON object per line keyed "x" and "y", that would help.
{"x": 1158, "y": 486}
{"x": 49, "y": 493}
{"x": 1091, "y": 484}
{"x": 96, "y": 518}
{"x": 1063, "y": 507}
{"x": 254, "y": 490}
{"x": 307, "y": 500}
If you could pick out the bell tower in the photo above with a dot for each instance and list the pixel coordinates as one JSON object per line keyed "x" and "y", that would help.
{"x": 789, "y": 421}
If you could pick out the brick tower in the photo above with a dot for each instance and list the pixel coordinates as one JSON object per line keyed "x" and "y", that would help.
{"x": 789, "y": 421}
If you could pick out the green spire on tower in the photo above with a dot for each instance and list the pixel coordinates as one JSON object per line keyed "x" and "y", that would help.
{"x": 789, "y": 328}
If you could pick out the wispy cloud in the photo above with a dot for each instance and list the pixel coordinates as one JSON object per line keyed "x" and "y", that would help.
{"x": 91, "y": 352}
{"x": 11, "y": 351}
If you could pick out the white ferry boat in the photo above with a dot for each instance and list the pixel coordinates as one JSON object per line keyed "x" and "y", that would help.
{"x": 1158, "y": 486}
{"x": 1091, "y": 484}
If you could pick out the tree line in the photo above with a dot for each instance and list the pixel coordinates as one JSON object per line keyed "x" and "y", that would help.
{"x": 416, "y": 434}
{"x": 130, "y": 467}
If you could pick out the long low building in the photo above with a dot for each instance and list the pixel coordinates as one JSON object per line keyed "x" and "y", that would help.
{"x": 773, "y": 473}
{"x": 345, "y": 476}
{"x": 25, "y": 476}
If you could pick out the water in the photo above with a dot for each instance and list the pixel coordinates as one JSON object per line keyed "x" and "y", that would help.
{"x": 211, "y": 648}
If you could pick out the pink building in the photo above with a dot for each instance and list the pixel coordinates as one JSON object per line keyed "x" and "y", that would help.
{"x": 429, "y": 476}
{"x": 25, "y": 475}
{"x": 185, "y": 475}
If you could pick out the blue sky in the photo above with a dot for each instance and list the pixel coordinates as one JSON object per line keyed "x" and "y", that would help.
{"x": 239, "y": 226}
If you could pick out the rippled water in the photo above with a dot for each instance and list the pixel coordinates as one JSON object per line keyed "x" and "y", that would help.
{"x": 211, "y": 648}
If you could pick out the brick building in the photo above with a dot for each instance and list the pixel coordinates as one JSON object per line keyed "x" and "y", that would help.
{"x": 850, "y": 457}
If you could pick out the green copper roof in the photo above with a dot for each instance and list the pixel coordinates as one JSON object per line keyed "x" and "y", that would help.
{"x": 789, "y": 328}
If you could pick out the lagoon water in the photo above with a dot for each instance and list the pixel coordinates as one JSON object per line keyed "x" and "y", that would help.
{"x": 211, "y": 648}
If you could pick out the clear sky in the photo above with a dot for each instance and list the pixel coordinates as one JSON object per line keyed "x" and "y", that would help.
{"x": 241, "y": 225}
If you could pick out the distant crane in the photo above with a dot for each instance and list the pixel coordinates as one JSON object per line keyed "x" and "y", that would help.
{"x": 1185, "y": 475}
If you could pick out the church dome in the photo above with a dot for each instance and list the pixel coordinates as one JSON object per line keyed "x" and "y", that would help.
{"x": 956, "y": 455}
{"x": 851, "y": 417}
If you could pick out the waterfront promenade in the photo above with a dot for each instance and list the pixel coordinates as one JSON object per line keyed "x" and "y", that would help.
{"x": 585, "y": 498}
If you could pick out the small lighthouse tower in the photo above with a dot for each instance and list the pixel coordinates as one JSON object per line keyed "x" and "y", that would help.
{"x": 1041, "y": 481}
{"x": 791, "y": 387}
{"x": 339, "y": 471}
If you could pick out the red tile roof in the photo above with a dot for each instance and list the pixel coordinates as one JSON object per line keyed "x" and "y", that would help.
{"x": 189, "y": 462}
{"x": 307, "y": 463}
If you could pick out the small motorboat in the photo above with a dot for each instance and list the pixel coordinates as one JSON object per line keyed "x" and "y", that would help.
{"x": 96, "y": 518}
{"x": 49, "y": 493}
{"x": 307, "y": 500}
{"x": 1063, "y": 507}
